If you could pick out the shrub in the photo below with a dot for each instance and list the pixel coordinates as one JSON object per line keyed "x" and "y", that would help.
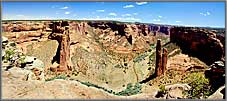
{"x": 21, "y": 60}
{"x": 162, "y": 89}
{"x": 200, "y": 86}
{"x": 9, "y": 54}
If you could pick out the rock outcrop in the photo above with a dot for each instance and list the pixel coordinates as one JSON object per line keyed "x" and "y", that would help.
{"x": 198, "y": 42}
{"x": 20, "y": 66}
{"x": 162, "y": 29}
{"x": 60, "y": 32}
{"x": 219, "y": 94}
{"x": 158, "y": 64}
{"x": 18, "y": 26}
{"x": 174, "y": 91}
{"x": 161, "y": 59}
{"x": 125, "y": 38}
{"x": 216, "y": 74}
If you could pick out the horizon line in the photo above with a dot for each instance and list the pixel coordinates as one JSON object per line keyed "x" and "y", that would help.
{"x": 111, "y": 20}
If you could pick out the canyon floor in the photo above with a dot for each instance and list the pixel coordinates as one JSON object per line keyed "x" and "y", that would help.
{"x": 105, "y": 60}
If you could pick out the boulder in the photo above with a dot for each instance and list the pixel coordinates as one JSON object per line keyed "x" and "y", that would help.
{"x": 29, "y": 59}
{"x": 18, "y": 73}
{"x": 3, "y": 52}
{"x": 33, "y": 62}
{"x": 219, "y": 64}
{"x": 175, "y": 91}
{"x": 54, "y": 67}
{"x": 4, "y": 39}
{"x": 176, "y": 86}
{"x": 36, "y": 68}
{"x": 218, "y": 94}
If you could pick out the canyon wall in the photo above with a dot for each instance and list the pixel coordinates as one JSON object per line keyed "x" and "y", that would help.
{"x": 201, "y": 43}
{"x": 127, "y": 37}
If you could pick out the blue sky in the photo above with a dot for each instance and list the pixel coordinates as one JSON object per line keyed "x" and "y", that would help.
{"x": 210, "y": 14}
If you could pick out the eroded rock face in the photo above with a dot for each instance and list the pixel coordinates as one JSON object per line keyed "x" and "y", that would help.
{"x": 162, "y": 29}
{"x": 60, "y": 32}
{"x": 125, "y": 38}
{"x": 201, "y": 43}
{"x": 158, "y": 65}
{"x": 20, "y": 26}
{"x": 219, "y": 94}
{"x": 161, "y": 59}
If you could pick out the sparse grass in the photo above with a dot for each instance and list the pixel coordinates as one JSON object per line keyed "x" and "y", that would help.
{"x": 44, "y": 52}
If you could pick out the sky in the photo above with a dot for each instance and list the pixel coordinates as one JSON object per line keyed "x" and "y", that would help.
{"x": 201, "y": 14}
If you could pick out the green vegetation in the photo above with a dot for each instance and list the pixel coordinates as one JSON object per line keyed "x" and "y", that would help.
{"x": 96, "y": 86}
{"x": 200, "y": 86}
{"x": 140, "y": 57}
{"x": 21, "y": 59}
{"x": 162, "y": 89}
{"x": 9, "y": 54}
{"x": 57, "y": 77}
{"x": 130, "y": 89}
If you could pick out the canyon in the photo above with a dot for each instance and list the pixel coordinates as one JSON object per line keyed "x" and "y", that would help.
{"x": 110, "y": 55}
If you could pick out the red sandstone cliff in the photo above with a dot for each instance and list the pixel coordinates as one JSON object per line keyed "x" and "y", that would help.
{"x": 197, "y": 42}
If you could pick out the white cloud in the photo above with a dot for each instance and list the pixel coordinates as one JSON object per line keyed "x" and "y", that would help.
{"x": 202, "y": 14}
{"x": 178, "y": 21}
{"x": 126, "y": 15}
{"x": 128, "y": 6}
{"x": 160, "y": 16}
{"x": 113, "y": 14}
{"x": 156, "y": 20}
{"x": 64, "y": 7}
{"x": 67, "y": 12}
{"x": 205, "y": 14}
{"x": 135, "y": 13}
{"x": 100, "y": 10}
{"x": 141, "y": 3}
